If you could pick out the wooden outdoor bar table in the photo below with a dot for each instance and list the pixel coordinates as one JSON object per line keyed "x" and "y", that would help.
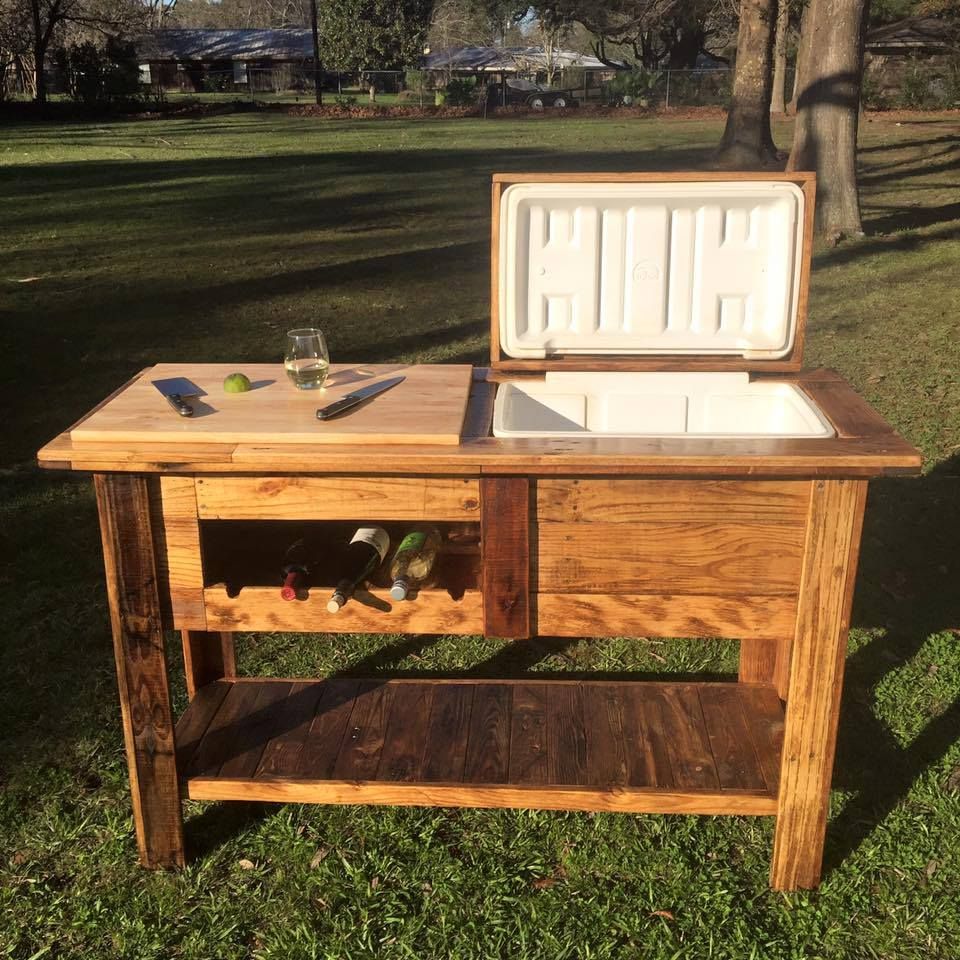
{"x": 754, "y": 539}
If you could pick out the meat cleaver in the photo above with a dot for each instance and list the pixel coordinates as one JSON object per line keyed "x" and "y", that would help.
{"x": 177, "y": 391}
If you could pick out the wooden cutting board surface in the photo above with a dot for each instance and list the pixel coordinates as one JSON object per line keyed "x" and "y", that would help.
{"x": 428, "y": 407}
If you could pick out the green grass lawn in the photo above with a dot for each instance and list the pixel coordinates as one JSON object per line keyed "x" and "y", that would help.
{"x": 130, "y": 243}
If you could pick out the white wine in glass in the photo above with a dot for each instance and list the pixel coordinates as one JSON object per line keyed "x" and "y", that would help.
{"x": 306, "y": 359}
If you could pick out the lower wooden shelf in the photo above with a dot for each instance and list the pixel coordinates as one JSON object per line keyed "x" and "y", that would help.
{"x": 640, "y": 747}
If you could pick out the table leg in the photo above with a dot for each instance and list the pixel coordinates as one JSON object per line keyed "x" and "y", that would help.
{"x": 207, "y": 656}
{"x": 815, "y": 680}
{"x": 132, "y": 588}
{"x": 758, "y": 659}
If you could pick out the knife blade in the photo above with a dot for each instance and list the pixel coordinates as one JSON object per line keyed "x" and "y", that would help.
{"x": 358, "y": 396}
{"x": 176, "y": 391}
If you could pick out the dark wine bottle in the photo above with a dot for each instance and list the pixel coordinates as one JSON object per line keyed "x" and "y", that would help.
{"x": 295, "y": 570}
{"x": 360, "y": 560}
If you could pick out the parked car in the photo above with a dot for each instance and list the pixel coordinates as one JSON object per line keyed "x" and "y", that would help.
{"x": 537, "y": 96}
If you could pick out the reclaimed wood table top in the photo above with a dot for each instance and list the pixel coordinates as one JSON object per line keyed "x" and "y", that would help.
{"x": 865, "y": 446}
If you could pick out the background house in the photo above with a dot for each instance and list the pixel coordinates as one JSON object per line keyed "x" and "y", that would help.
{"x": 914, "y": 62}
{"x": 211, "y": 60}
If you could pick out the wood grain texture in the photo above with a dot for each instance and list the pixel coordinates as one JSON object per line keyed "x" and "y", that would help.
{"x": 207, "y": 656}
{"x": 428, "y": 407}
{"x": 664, "y": 615}
{"x": 555, "y": 744}
{"x": 589, "y": 798}
{"x": 713, "y": 558}
{"x": 338, "y": 498}
{"x": 132, "y": 589}
{"x": 260, "y": 608}
{"x": 815, "y": 681}
{"x": 849, "y": 413}
{"x": 505, "y": 543}
{"x": 528, "y": 735}
{"x": 627, "y": 500}
{"x": 758, "y": 658}
{"x": 176, "y": 532}
{"x": 488, "y": 742}
{"x": 445, "y": 751}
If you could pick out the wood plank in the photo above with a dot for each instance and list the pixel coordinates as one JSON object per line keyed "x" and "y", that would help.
{"x": 446, "y": 751}
{"x": 479, "y": 419}
{"x": 409, "y": 724}
{"x": 691, "y": 760}
{"x": 881, "y": 455}
{"x": 607, "y": 727}
{"x": 758, "y": 659}
{"x": 528, "y": 734}
{"x": 730, "y": 741}
{"x": 566, "y": 738}
{"x": 664, "y": 615}
{"x": 338, "y": 498}
{"x": 630, "y": 500}
{"x": 195, "y": 720}
{"x": 253, "y": 731}
{"x": 217, "y": 742}
{"x": 428, "y": 407}
{"x": 366, "y": 732}
{"x": 536, "y": 797}
{"x": 260, "y": 608}
{"x": 488, "y": 742}
{"x": 207, "y": 656}
{"x": 123, "y": 504}
{"x": 318, "y": 756}
{"x": 850, "y": 414}
{"x": 281, "y": 755}
{"x": 648, "y": 759}
{"x": 180, "y": 566}
{"x": 725, "y": 559}
{"x": 815, "y": 681}
{"x": 505, "y": 542}
{"x": 762, "y": 706}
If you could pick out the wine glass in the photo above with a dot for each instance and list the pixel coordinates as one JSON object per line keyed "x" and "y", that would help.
{"x": 306, "y": 359}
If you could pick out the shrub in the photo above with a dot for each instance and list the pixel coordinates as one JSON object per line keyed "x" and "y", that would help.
{"x": 915, "y": 89}
{"x": 633, "y": 85}
{"x": 459, "y": 92}
{"x": 343, "y": 101}
{"x": 871, "y": 92}
{"x": 416, "y": 81}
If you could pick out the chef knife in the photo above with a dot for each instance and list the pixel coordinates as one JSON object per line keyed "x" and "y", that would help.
{"x": 358, "y": 396}
{"x": 177, "y": 391}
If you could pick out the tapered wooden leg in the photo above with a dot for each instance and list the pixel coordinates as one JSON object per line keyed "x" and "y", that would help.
{"x": 815, "y": 680}
{"x": 124, "y": 505}
{"x": 758, "y": 660}
{"x": 207, "y": 656}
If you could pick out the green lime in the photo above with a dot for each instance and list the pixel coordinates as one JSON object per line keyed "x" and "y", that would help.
{"x": 237, "y": 383}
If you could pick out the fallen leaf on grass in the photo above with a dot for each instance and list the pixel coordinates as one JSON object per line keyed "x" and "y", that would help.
{"x": 245, "y": 864}
{"x": 953, "y": 780}
{"x": 28, "y": 280}
{"x": 666, "y": 914}
{"x": 543, "y": 883}
{"x": 319, "y": 857}
{"x": 931, "y": 868}
{"x": 374, "y": 883}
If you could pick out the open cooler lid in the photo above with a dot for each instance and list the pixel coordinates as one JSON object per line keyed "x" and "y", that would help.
{"x": 691, "y": 267}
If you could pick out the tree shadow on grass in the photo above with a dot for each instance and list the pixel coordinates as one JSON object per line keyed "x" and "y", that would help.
{"x": 907, "y": 589}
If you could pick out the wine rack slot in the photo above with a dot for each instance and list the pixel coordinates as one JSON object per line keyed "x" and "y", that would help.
{"x": 241, "y": 573}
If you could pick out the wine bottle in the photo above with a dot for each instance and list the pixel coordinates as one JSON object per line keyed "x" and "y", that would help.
{"x": 413, "y": 562}
{"x": 366, "y": 552}
{"x": 295, "y": 570}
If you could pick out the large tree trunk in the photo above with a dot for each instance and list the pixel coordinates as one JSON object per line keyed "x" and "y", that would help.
{"x": 828, "y": 108}
{"x": 747, "y": 140}
{"x": 317, "y": 66}
{"x": 803, "y": 58}
{"x": 40, "y": 37}
{"x": 777, "y": 104}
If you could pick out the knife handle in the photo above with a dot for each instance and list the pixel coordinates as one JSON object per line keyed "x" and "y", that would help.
{"x": 338, "y": 407}
{"x": 180, "y": 405}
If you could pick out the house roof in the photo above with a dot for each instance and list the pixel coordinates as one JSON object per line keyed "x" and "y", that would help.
{"x": 507, "y": 59}
{"x": 282, "y": 44}
{"x": 914, "y": 33}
